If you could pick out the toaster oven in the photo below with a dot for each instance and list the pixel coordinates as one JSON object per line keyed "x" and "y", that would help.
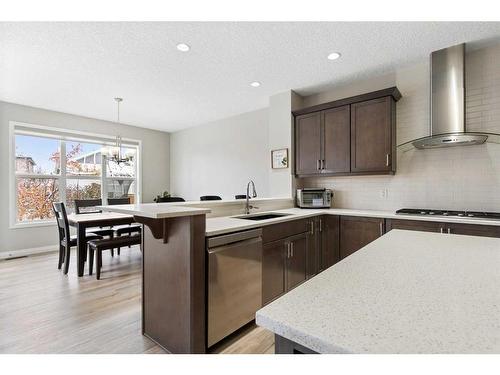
{"x": 314, "y": 198}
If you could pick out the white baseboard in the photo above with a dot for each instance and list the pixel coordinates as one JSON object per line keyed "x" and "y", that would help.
{"x": 26, "y": 252}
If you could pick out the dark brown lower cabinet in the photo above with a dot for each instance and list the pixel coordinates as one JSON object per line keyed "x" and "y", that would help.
{"x": 473, "y": 230}
{"x": 284, "y": 265}
{"x": 323, "y": 244}
{"x": 423, "y": 226}
{"x": 313, "y": 247}
{"x": 296, "y": 261}
{"x": 330, "y": 251}
{"x": 357, "y": 232}
{"x": 273, "y": 270}
{"x": 440, "y": 227}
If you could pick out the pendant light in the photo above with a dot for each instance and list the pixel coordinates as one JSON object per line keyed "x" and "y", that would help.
{"x": 115, "y": 152}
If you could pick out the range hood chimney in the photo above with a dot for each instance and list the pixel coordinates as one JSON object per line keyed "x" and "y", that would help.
{"x": 447, "y": 125}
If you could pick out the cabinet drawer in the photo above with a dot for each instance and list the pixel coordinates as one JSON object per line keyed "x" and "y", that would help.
{"x": 419, "y": 225}
{"x": 282, "y": 230}
{"x": 474, "y": 230}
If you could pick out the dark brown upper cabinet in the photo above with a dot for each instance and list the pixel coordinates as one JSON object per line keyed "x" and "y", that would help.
{"x": 336, "y": 137}
{"x": 373, "y": 136}
{"x": 308, "y": 149}
{"x": 350, "y": 136}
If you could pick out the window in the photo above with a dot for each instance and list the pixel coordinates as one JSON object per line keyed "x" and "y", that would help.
{"x": 52, "y": 166}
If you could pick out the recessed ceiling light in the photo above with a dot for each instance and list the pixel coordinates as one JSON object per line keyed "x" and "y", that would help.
{"x": 333, "y": 56}
{"x": 183, "y": 47}
{"x": 255, "y": 84}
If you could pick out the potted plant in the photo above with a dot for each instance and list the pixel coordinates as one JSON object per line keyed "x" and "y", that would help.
{"x": 162, "y": 198}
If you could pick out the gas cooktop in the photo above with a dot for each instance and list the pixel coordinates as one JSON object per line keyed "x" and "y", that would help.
{"x": 468, "y": 214}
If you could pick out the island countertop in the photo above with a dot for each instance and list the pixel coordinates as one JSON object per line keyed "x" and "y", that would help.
{"x": 406, "y": 292}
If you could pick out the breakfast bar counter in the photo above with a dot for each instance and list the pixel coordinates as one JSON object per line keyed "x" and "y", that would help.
{"x": 406, "y": 292}
{"x": 173, "y": 277}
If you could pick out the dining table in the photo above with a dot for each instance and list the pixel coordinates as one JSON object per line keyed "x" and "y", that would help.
{"x": 84, "y": 221}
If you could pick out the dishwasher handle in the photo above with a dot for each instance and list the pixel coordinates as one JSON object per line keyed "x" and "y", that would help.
{"x": 256, "y": 240}
{"x": 228, "y": 239}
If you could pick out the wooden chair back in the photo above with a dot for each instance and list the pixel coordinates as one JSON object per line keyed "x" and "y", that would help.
{"x": 82, "y": 206}
{"x": 113, "y": 201}
{"x": 62, "y": 221}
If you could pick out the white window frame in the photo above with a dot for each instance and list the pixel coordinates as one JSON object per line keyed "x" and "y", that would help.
{"x": 69, "y": 136}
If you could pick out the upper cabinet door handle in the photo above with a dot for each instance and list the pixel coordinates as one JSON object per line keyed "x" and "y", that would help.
{"x": 318, "y": 164}
{"x": 323, "y": 163}
{"x": 381, "y": 225}
{"x": 387, "y": 156}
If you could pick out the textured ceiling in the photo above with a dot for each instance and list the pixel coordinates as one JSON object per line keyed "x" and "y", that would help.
{"x": 80, "y": 67}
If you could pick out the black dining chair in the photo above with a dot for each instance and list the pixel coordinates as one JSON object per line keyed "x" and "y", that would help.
{"x": 172, "y": 199}
{"x": 210, "y": 198}
{"x": 120, "y": 230}
{"x": 115, "y": 201}
{"x": 66, "y": 240}
{"x": 89, "y": 206}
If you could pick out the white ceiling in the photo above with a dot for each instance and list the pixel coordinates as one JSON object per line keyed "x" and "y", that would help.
{"x": 80, "y": 67}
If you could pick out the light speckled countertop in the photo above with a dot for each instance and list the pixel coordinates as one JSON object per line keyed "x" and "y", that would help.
{"x": 155, "y": 210}
{"x": 406, "y": 292}
{"x": 228, "y": 224}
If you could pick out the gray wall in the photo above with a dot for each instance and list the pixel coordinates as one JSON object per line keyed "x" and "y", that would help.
{"x": 155, "y": 165}
{"x": 219, "y": 158}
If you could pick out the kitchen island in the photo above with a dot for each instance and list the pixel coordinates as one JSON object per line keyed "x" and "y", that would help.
{"x": 173, "y": 277}
{"x": 406, "y": 292}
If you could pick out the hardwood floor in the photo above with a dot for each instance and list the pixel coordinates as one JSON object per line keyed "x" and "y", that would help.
{"x": 44, "y": 311}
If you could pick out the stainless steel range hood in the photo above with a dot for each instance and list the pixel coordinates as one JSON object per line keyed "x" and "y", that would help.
{"x": 447, "y": 125}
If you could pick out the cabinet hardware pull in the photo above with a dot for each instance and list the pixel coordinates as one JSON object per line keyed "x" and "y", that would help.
{"x": 318, "y": 164}
{"x": 323, "y": 163}
{"x": 312, "y": 227}
{"x": 381, "y": 226}
{"x": 386, "y": 160}
{"x": 288, "y": 250}
{"x": 320, "y": 225}
{"x": 449, "y": 230}
{"x": 291, "y": 248}
{"x": 441, "y": 229}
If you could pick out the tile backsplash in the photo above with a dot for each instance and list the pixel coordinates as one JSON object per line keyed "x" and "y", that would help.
{"x": 462, "y": 178}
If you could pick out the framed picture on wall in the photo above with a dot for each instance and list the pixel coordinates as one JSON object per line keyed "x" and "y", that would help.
{"x": 279, "y": 158}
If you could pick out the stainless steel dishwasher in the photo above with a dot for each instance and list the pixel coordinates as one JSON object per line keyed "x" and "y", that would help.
{"x": 234, "y": 282}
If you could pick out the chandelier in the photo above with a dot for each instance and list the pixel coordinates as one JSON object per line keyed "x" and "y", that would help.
{"x": 115, "y": 153}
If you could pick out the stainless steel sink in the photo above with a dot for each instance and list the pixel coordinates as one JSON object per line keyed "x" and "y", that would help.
{"x": 262, "y": 216}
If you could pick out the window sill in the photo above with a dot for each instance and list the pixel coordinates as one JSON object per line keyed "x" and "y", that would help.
{"x": 33, "y": 224}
